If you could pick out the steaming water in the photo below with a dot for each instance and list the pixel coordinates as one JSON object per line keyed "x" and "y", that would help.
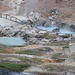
{"x": 29, "y": 6}
{"x": 12, "y": 41}
{"x": 62, "y": 31}
{"x": 66, "y": 31}
{"x": 47, "y": 28}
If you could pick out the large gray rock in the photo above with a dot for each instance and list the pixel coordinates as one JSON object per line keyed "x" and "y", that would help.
{"x": 40, "y": 23}
{"x": 48, "y": 23}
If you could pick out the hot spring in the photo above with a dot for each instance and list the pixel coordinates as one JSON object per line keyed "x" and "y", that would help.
{"x": 62, "y": 31}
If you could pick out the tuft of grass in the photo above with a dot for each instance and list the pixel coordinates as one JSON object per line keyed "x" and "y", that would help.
{"x": 13, "y": 67}
{"x": 3, "y": 51}
{"x": 26, "y": 52}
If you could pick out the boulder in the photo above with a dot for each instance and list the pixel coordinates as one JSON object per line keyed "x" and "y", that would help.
{"x": 59, "y": 38}
{"x": 40, "y": 23}
{"x": 33, "y": 40}
{"x": 45, "y": 40}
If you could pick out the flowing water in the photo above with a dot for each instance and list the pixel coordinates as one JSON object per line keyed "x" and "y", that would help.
{"x": 12, "y": 41}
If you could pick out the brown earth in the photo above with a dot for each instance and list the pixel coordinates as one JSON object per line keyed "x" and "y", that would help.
{"x": 49, "y": 61}
{"x": 3, "y": 8}
{"x": 16, "y": 49}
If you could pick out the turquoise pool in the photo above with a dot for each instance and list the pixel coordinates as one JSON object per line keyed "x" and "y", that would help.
{"x": 12, "y": 41}
{"x": 61, "y": 32}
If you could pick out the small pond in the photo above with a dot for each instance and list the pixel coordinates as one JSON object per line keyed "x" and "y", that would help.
{"x": 15, "y": 41}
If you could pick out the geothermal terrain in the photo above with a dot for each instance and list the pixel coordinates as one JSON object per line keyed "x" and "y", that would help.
{"x": 37, "y": 37}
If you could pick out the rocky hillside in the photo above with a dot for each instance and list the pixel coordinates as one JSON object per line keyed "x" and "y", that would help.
{"x": 10, "y": 6}
{"x": 42, "y": 4}
{"x": 65, "y": 8}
